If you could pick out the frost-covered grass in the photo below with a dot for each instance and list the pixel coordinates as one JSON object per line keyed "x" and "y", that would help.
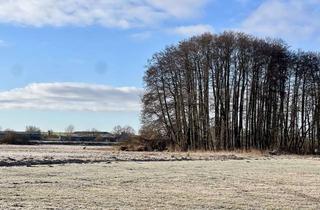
{"x": 256, "y": 183}
{"x": 14, "y": 155}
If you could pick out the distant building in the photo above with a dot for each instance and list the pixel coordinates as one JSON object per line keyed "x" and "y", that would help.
{"x": 89, "y": 136}
{"x": 76, "y": 136}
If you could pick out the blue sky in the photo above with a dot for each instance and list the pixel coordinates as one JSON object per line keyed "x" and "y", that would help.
{"x": 81, "y": 62}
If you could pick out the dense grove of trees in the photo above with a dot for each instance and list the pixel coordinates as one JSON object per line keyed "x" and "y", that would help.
{"x": 234, "y": 91}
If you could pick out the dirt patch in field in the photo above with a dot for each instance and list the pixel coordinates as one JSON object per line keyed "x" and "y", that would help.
{"x": 11, "y": 155}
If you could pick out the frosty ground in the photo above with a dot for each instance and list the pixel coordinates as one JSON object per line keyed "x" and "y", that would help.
{"x": 78, "y": 177}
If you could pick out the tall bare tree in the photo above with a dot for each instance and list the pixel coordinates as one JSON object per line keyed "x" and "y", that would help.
{"x": 234, "y": 91}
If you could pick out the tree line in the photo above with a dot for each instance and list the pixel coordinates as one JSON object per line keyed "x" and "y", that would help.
{"x": 233, "y": 91}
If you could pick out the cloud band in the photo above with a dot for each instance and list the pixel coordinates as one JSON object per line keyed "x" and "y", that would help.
{"x": 72, "y": 96}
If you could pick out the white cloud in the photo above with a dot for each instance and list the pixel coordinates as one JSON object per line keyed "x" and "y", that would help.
{"x": 290, "y": 19}
{"x": 109, "y": 13}
{"x": 72, "y": 96}
{"x": 192, "y": 30}
{"x": 178, "y": 8}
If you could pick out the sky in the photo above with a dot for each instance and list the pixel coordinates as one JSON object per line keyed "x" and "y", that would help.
{"x": 81, "y": 62}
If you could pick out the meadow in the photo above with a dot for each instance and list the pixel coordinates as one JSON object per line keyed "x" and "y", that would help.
{"x": 155, "y": 180}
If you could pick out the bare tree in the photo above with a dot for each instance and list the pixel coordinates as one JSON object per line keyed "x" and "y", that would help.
{"x": 117, "y": 130}
{"x": 127, "y": 130}
{"x": 69, "y": 130}
{"x": 233, "y": 91}
{"x": 32, "y": 129}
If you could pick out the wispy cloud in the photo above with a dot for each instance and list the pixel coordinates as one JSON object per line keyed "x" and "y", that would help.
{"x": 3, "y": 43}
{"x": 289, "y": 19}
{"x": 72, "y": 96}
{"x": 109, "y": 13}
{"x": 192, "y": 30}
{"x": 141, "y": 35}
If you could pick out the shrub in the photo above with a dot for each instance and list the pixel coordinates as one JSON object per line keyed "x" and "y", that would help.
{"x": 10, "y": 137}
{"x": 138, "y": 143}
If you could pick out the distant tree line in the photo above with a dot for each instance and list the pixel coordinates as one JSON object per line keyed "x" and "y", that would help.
{"x": 234, "y": 91}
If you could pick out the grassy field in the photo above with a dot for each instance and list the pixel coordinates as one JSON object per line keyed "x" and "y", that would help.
{"x": 254, "y": 182}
